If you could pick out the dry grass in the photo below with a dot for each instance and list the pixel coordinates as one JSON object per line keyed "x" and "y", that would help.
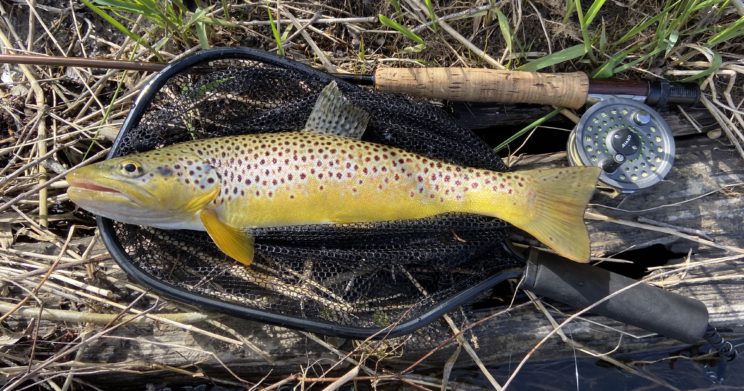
{"x": 60, "y": 292}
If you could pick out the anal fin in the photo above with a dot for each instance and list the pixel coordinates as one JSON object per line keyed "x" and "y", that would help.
{"x": 334, "y": 114}
{"x": 235, "y": 243}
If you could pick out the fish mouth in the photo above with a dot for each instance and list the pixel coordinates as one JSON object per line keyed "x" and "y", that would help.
{"x": 78, "y": 184}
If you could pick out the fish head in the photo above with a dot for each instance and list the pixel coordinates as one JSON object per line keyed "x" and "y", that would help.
{"x": 152, "y": 188}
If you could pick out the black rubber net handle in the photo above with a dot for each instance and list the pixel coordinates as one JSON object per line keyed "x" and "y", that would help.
{"x": 645, "y": 306}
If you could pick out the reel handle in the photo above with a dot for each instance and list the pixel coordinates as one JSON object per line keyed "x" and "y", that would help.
{"x": 486, "y": 85}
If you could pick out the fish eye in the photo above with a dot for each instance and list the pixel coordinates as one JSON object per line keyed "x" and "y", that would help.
{"x": 131, "y": 169}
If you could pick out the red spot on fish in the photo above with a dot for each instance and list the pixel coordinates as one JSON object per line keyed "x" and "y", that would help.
{"x": 510, "y": 191}
{"x": 302, "y": 176}
{"x": 289, "y": 177}
{"x": 474, "y": 185}
{"x": 446, "y": 178}
{"x": 420, "y": 178}
{"x": 338, "y": 175}
{"x": 364, "y": 170}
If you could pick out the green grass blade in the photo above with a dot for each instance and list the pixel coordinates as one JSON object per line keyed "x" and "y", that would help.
{"x": 608, "y": 68}
{"x": 568, "y": 54}
{"x": 400, "y": 28}
{"x": 275, "y": 33}
{"x": 592, "y": 12}
{"x": 432, "y": 15}
{"x": 134, "y": 7}
{"x": 396, "y": 6}
{"x": 134, "y": 36}
{"x": 732, "y": 31}
{"x": 637, "y": 29}
{"x": 584, "y": 28}
{"x": 505, "y": 30}
{"x": 527, "y": 128}
{"x": 201, "y": 32}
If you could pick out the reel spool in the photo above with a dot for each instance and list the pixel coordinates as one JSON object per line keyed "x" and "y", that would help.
{"x": 629, "y": 140}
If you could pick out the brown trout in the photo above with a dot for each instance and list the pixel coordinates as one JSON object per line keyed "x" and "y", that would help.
{"x": 324, "y": 174}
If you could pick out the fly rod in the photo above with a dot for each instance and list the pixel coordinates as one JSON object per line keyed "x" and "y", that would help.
{"x": 571, "y": 90}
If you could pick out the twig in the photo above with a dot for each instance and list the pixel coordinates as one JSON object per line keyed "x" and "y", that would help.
{"x": 96, "y": 318}
{"x": 460, "y": 338}
{"x": 43, "y": 279}
{"x": 321, "y": 56}
{"x": 458, "y": 15}
{"x": 456, "y": 35}
{"x": 55, "y": 178}
{"x": 347, "y": 377}
{"x": 696, "y": 239}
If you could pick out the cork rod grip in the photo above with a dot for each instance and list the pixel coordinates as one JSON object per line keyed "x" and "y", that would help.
{"x": 486, "y": 85}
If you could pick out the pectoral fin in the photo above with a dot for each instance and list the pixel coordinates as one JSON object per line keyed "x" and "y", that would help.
{"x": 237, "y": 244}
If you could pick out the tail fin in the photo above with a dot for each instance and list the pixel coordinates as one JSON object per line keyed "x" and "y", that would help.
{"x": 556, "y": 212}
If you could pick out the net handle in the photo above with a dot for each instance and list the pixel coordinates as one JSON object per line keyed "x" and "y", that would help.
{"x": 486, "y": 85}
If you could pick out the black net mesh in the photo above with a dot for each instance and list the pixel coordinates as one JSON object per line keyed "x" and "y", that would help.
{"x": 354, "y": 275}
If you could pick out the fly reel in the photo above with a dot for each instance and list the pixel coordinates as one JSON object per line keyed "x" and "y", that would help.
{"x": 629, "y": 140}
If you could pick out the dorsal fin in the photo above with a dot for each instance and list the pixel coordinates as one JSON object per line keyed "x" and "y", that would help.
{"x": 334, "y": 114}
